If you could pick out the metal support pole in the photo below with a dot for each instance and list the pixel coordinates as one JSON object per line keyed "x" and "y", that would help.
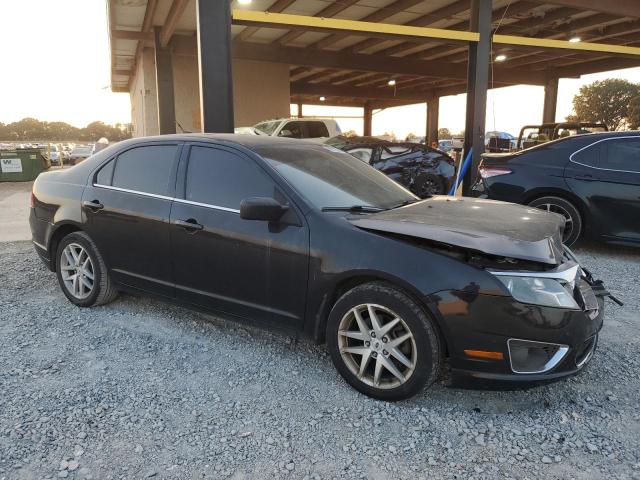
{"x": 164, "y": 82}
{"x": 367, "y": 116}
{"x": 550, "y": 100}
{"x": 299, "y": 110}
{"x": 477, "y": 85}
{"x": 214, "y": 63}
{"x": 433, "y": 107}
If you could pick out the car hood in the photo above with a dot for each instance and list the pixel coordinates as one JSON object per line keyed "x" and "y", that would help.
{"x": 492, "y": 227}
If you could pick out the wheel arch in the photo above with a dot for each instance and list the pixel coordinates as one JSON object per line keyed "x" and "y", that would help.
{"x": 565, "y": 195}
{"x": 354, "y": 279}
{"x": 61, "y": 231}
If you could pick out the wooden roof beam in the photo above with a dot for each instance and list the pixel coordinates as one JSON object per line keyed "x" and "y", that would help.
{"x": 622, "y": 8}
{"x": 171, "y": 22}
{"x": 329, "y": 11}
{"x": 371, "y": 63}
{"x": 377, "y": 16}
{"x": 277, "y": 7}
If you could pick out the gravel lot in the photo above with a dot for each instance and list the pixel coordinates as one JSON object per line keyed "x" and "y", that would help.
{"x": 140, "y": 388}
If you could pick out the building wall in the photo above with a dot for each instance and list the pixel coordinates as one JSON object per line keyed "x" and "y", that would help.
{"x": 143, "y": 93}
{"x": 260, "y": 92}
{"x": 186, "y": 91}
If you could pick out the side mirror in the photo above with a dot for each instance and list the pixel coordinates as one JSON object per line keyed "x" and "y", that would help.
{"x": 262, "y": 208}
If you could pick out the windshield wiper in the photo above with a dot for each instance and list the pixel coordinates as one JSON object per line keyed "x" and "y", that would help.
{"x": 403, "y": 204}
{"x": 354, "y": 208}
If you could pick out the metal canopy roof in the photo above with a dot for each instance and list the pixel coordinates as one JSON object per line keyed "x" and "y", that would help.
{"x": 350, "y": 67}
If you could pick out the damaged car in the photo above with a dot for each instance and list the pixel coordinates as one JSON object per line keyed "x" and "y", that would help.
{"x": 423, "y": 170}
{"x": 304, "y": 237}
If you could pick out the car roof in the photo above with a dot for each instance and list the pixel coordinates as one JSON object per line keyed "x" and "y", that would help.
{"x": 249, "y": 141}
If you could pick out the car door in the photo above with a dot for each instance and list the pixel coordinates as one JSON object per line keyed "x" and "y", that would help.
{"x": 127, "y": 207}
{"x": 251, "y": 269}
{"x": 619, "y": 187}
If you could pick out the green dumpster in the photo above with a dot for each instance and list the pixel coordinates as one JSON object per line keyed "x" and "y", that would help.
{"x": 21, "y": 165}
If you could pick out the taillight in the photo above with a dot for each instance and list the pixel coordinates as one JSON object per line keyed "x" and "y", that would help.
{"x": 487, "y": 172}
{"x": 32, "y": 200}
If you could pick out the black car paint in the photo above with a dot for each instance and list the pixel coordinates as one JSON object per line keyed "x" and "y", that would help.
{"x": 608, "y": 201}
{"x": 405, "y": 168}
{"x": 286, "y": 274}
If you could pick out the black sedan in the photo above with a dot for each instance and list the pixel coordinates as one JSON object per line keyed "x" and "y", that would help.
{"x": 296, "y": 235}
{"x": 422, "y": 169}
{"x": 592, "y": 180}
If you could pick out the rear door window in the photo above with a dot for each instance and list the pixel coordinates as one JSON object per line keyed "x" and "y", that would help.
{"x": 621, "y": 154}
{"x": 221, "y": 178}
{"x": 317, "y": 130}
{"x": 145, "y": 169}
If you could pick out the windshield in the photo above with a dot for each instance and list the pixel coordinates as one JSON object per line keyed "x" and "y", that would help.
{"x": 328, "y": 177}
{"x": 267, "y": 127}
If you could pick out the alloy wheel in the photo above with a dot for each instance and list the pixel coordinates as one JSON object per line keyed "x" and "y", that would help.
{"x": 77, "y": 271}
{"x": 377, "y": 346}
{"x": 568, "y": 223}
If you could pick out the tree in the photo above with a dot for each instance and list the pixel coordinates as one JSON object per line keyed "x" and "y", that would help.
{"x": 444, "y": 133}
{"x": 634, "y": 113}
{"x": 606, "y": 101}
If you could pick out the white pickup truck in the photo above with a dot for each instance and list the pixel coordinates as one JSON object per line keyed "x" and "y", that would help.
{"x": 309, "y": 128}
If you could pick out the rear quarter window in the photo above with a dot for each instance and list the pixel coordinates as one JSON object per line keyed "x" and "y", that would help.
{"x": 589, "y": 156}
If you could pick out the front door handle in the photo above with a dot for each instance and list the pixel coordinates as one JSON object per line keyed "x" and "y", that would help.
{"x": 190, "y": 224}
{"x": 94, "y": 205}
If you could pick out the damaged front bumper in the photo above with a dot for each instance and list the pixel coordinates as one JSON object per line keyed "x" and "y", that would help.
{"x": 523, "y": 342}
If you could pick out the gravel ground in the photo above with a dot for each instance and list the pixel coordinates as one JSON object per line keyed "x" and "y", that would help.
{"x": 140, "y": 388}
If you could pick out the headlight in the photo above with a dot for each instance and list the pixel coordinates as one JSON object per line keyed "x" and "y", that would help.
{"x": 539, "y": 291}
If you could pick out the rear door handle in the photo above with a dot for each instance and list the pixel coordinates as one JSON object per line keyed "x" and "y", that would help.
{"x": 586, "y": 178}
{"x": 93, "y": 205}
{"x": 190, "y": 224}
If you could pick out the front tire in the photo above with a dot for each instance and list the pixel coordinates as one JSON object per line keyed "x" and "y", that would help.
{"x": 82, "y": 273}
{"x": 428, "y": 184}
{"x": 382, "y": 343}
{"x": 573, "y": 219}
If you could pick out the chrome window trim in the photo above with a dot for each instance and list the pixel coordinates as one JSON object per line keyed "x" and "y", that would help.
{"x": 637, "y": 137}
{"x": 136, "y": 192}
{"x": 550, "y": 365}
{"x": 164, "y": 197}
{"x": 206, "y": 205}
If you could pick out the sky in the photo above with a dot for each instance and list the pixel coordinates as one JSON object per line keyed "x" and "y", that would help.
{"x": 55, "y": 67}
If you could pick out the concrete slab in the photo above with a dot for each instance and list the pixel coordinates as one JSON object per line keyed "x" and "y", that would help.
{"x": 14, "y": 211}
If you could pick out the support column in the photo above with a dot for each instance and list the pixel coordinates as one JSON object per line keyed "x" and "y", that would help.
{"x": 214, "y": 63}
{"x": 164, "y": 85}
{"x": 368, "y": 119}
{"x": 299, "y": 110}
{"x": 550, "y": 100}
{"x": 433, "y": 109}
{"x": 477, "y": 84}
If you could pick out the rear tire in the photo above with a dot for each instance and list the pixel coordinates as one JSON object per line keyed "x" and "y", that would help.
{"x": 573, "y": 225}
{"x": 82, "y": 273}
{"x": 399, "y": 350}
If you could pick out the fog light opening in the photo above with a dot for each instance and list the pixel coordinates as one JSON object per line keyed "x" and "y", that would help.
{"x": 528, "y": 357}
